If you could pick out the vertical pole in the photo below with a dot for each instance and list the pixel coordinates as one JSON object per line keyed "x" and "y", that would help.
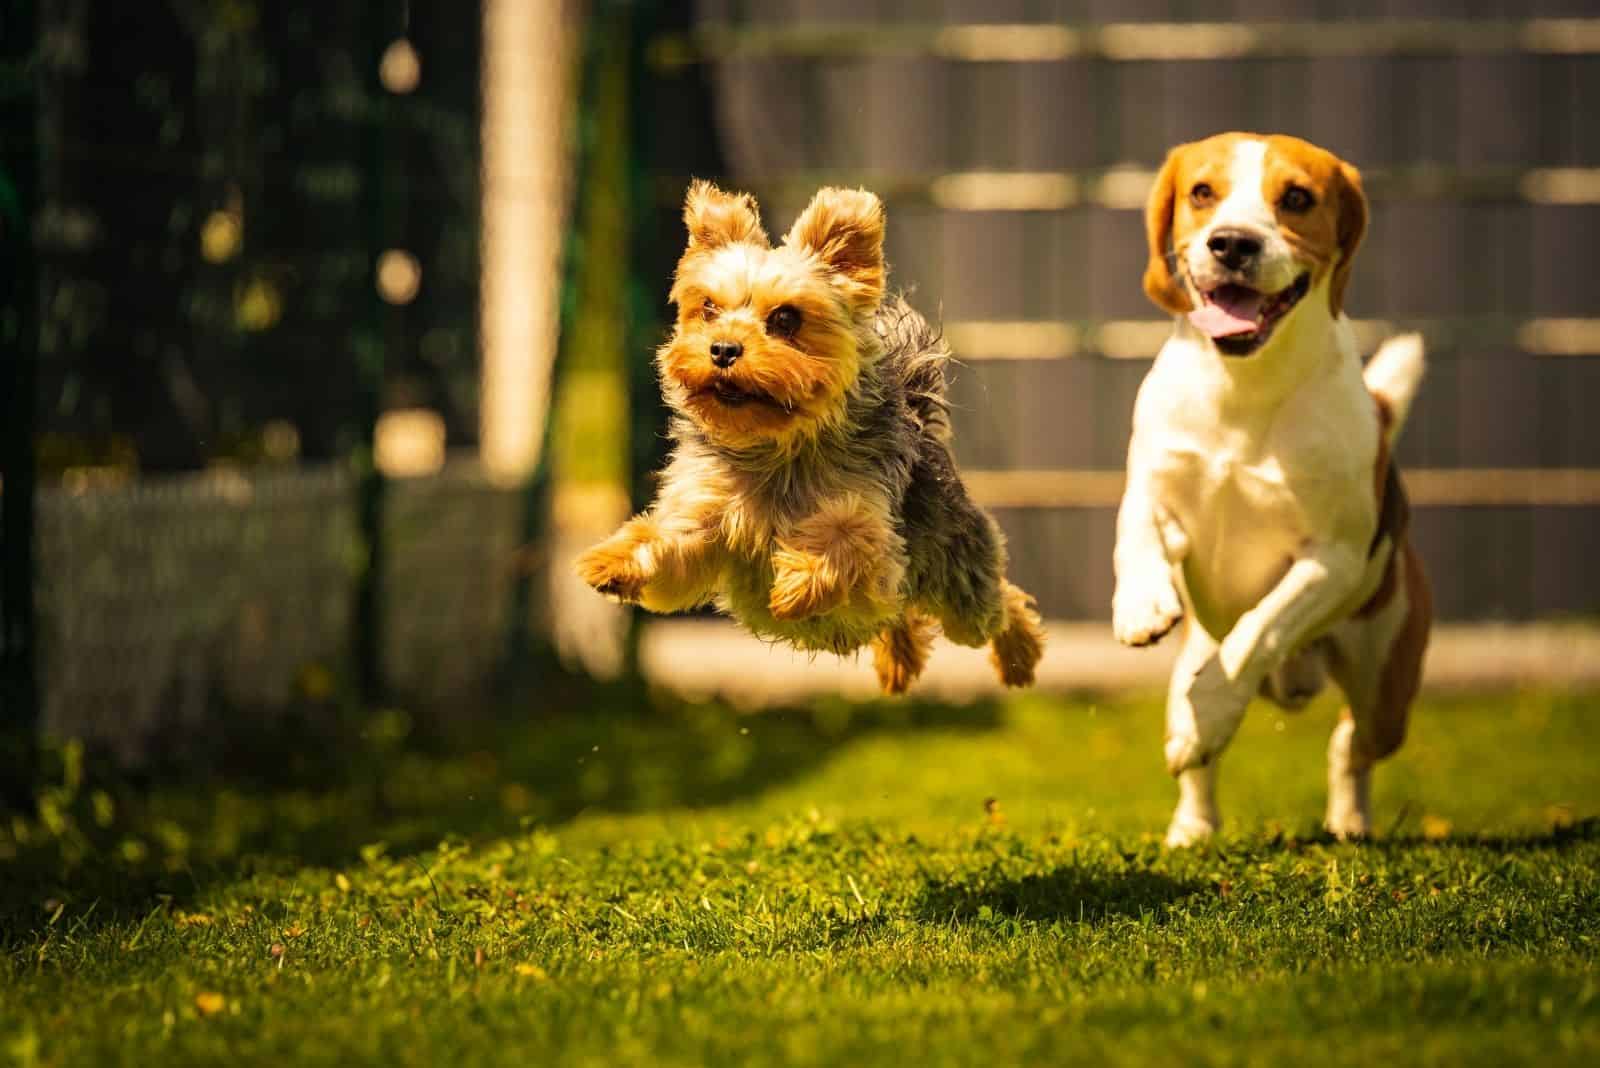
{"x": 19, "y": 346}
{"x": 528, "y": 62}
{"x": 533, "y": 192}
{"x": 527, "y": 58}
{"x": 367, "y": 640}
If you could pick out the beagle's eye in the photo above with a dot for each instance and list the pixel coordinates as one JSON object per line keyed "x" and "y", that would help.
{"x": 783, "y": 321}
{"x": 1296, "y": 199}
{"x": 709, "y": 309}
{"x": 1201, "y": 195}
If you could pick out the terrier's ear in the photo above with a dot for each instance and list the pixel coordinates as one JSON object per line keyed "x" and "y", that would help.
{"x": 715, "y": 218}
{"x": 844, "y": 229}
{"x": 1160, "y": 284}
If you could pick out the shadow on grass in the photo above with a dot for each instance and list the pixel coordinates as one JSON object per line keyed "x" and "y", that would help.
{"x": 1557, "y": 839}
{"x": 1072, "y": 894}
{"x": 312, "y": 791}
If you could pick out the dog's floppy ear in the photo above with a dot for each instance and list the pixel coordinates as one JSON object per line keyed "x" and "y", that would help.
{"x": 1352, "y": 203}
{"x": 1160, "y": 284}
{"x": 844, "y": 229}
{"x": 715, "y": 218}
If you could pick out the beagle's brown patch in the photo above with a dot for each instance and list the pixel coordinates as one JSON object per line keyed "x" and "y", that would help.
{"x": 1402, "y": 668}
{"x": 1394, "y": 513}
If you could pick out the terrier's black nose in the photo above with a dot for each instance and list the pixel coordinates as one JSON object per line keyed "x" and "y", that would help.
{"x": 1235, "y": 248}
{"x": 723, "y": 353}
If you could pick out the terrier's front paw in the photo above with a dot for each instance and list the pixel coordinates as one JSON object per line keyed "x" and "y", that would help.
{"x": 1143, "y": 612}
{"x": 803, "y": 586}
{"x": 614, "y": 571}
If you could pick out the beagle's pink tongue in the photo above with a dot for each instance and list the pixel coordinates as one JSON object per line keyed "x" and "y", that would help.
{"x": 1229, "y": 310}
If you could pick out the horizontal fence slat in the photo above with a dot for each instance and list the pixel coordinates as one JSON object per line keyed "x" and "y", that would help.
{"x": 1128, "y": 42}
{"x": 976, "y": 340}
{"x": 1124, "y": 186}
{"x": 1475, "y": 487}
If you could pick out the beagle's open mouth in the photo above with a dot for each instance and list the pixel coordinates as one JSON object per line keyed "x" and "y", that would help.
{"x": 1240, "y": 319}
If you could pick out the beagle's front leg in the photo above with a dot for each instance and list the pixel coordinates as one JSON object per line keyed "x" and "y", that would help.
{"x": 1315, "y": 585}
{"x": 1145, "y": 605}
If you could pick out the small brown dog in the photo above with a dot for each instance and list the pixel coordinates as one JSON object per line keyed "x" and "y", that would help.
{"x": 811, "y": 492}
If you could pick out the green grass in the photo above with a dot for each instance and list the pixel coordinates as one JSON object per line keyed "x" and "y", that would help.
{"x": 655, "y": 882}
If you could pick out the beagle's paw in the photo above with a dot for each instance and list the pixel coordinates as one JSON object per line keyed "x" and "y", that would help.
{"x": 1143, "y": 611}
{"x": 1188, "y": 829}
{"x": 1348, "y": 824}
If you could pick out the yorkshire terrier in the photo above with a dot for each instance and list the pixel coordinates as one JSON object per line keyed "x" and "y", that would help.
{"x": 811, "y": 492}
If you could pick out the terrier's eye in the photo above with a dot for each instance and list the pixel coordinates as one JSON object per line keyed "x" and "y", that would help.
{"x": 1296, "y": 199}
{"x": 1201, "y": 195}
{"x": 783, "y": 321}
{"x": 709, "y": 309}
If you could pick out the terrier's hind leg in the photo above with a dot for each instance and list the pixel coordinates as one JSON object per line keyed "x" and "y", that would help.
{"x": 1016, "y": 649}
{"x": 901, "y": 652}
{"x": 963, "y": 572}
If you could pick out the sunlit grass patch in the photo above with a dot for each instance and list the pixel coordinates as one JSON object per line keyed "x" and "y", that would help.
{"x": 644, "y": 880}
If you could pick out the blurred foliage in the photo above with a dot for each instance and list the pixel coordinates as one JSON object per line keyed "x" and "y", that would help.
{"x": 325, "y": 779}
{"x": 591, "y": 409}
{"x": 207, "y": 221}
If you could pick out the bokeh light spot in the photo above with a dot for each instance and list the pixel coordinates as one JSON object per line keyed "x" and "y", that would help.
{"x": 399, "y": 276}
{"x": 400, "y": 70}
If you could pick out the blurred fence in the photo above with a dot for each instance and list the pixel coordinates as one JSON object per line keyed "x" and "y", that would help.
{"x": 1015, "y": 141}
{"x": 165, "y": 602}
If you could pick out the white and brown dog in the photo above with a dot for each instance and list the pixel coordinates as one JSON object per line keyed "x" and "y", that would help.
{"x": 1261, "y": 504}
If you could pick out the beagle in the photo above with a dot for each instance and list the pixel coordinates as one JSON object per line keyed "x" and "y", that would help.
{"x": 1262, "y": 507}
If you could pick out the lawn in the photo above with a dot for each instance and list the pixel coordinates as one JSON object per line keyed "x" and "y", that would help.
{"x": 642, "y": 880}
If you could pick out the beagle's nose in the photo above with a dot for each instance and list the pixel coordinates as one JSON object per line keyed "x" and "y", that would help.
{"x": 1235, "y": 248}
{"x": 723, "y": 353}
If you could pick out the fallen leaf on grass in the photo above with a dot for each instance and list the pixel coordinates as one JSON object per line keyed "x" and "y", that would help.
{"x": 991, "y": 809}
{"x": 209, "y": 1003}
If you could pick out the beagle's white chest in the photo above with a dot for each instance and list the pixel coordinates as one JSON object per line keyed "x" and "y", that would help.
{"x": 1252, "y": 485}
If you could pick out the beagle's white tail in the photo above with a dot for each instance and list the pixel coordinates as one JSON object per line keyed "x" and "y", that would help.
{"x": 1393, "y": 375}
